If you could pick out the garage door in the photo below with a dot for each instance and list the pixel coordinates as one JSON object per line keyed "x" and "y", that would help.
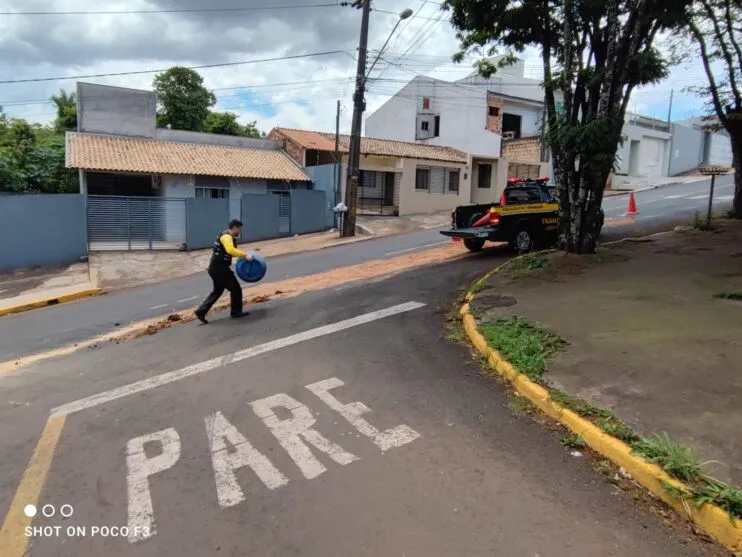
{"x": 652, "y": 155}
{"x": 720, "y": 151}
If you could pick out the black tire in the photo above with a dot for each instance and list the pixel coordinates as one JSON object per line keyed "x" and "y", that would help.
{"x": 474, "y": 244}
{"x": 524, "y": 240}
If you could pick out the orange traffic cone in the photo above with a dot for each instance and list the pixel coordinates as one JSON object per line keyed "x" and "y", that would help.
{"x": 502, "y": 199}
{"x": 632, "y": 206}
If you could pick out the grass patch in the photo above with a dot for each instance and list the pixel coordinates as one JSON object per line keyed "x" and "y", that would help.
{"x": 729, "y": 296}
{"x": 478, "y": 286}
{"x": 683, "y": 463}
{"x": 603, "y": 418}
{"x": 700, "y": 223}
{"x": 678, "y": 461}
{"x": 573, "y": 441}
{"x": 527, "y": 346}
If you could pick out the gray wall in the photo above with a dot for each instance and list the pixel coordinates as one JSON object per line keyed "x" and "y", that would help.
{"x": 182, "y": 136}
{"x": 686, "y": 152}
{"x": 260, "y": 217}
{"x": 322, "y": 176}
{"x": 309, "y": 211}
{"x": 205, "y": 219}
{"x": 115, "y": 110}
{"x": 54, "y": 226}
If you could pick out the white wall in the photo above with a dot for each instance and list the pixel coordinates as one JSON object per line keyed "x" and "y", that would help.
{"x": 498, "y": 181}
{"x": 531, "y": 116}
{"x": 413, "y": 201}
{"x": 644, "y": 136}
{"x": 462, "y": 110}
{"x": 720, "y": 150}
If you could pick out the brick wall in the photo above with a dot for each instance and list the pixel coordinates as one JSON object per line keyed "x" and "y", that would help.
{"x": 494, "y": 123}
{"x": 294, "y": 150}
{"x": 522, "y": 150}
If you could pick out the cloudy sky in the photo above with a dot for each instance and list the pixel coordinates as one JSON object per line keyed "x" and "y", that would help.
{"x": 297, "y": 92}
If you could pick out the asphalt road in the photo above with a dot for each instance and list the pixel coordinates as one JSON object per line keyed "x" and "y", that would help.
{"x": 338, "y": 423}
{"x": 40, "y": 330}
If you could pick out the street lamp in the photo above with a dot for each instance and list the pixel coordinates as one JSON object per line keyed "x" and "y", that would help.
{"x": 404, "y": 14}
{"x": 713, "y": 171}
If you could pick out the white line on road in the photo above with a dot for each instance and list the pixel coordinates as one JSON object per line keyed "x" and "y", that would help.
{"x": 704, "y": 196}
{"x": 5, "y": 290}
{"x": 158, "y": 307}
{"x": 187, "y": 299}
{"x": 416, "y": 247}
{"x": 214, "y": 363}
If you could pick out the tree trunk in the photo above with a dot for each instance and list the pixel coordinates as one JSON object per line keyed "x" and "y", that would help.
{"x": 736, "y": 138}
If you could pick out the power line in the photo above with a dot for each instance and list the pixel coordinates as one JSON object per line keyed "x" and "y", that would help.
{"x": 203, "y": 66}
{"x": 180, "y": 11}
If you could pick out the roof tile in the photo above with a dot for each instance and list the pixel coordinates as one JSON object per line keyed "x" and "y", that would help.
{"x": 322, "y": 141}
{"x": 129, "y": 154}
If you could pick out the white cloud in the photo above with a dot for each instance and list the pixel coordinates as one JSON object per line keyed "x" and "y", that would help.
{"x": 303, "y": 92}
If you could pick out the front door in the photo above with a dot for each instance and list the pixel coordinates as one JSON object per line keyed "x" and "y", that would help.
{"x": 388, "y": 189}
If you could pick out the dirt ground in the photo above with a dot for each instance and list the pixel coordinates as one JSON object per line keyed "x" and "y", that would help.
{"x": 646, "y": 335}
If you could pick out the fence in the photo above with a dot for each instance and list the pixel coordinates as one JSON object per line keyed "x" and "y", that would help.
{"x": 41, "y": 230}
{"x": 118, "y": 223}
{"x": 284, "y": 213}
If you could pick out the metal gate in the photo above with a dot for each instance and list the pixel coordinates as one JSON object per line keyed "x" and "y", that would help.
{"x": 284, "y": 211}
{"x": 118, "y": 223}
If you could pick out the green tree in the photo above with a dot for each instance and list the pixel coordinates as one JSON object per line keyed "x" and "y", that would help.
{"x": 251, "y": 130}
{"x": 183, "y": 101}
{"x": 66, "y": 119}
{"x": 715, "y": 26}
{"x": 222, "y": 122}
{"x": 594, "y": 54}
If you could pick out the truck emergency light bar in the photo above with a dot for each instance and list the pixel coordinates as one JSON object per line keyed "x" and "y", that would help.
{"x": 512, "y": 181}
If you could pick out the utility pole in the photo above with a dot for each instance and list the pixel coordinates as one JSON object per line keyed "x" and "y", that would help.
{"x": 336, "y": 170}
{"x": 669, "y": 130}
{"x": 354, "y": 145}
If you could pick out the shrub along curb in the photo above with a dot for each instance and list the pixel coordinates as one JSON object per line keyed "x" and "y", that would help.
{"x": 711, "y": 518}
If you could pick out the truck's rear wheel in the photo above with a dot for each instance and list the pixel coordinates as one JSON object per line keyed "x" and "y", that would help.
{"x": 523, "y": 240}
{"x": 474, "y": 244}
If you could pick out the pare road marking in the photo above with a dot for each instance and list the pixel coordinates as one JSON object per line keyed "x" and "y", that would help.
{"x": 232, "y": 451}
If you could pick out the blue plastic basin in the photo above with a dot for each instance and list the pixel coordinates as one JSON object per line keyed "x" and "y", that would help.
{"x": 251, "y": 271}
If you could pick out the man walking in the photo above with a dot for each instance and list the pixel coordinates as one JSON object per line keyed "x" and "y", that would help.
{"x": 225, "y": 248}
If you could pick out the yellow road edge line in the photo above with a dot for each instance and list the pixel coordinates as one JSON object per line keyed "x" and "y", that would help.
{"x": 52, "y": 300}
{"x": 13, "y": 538}
{"x": 712, "y": 519}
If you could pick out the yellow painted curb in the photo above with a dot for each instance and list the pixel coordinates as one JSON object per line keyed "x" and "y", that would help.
{"x": 712, "y": 519}
{"x": 52, "y": 300}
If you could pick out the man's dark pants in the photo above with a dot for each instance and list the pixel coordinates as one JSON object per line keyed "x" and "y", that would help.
{"x": 223, "y": 279}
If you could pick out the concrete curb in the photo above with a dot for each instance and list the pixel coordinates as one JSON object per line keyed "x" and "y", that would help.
{"x": 50, "y": 301}
{"x": 712, "y": 519}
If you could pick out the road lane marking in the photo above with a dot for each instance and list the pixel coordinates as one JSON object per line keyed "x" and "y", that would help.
{"x": 159, "y": 307}
{"x": 13, "y": 540}
{"x": 215, "y": 363}
{"x": 226, "y": 462}
{"x": 704, "y": 196}
{"x": 291, "y": 431}
{"x": 186, "y": 299}
{"x": 617, "y": 222}
{"x": 139, "y": 469}
{"x": 385, "y": 440}
{"x": 415, "y": 248}
{"x": 231, "y": 451}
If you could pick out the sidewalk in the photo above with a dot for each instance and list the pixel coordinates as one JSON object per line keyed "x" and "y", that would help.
{"x": 32, "y": 288}
{"x": 652, "y": 333}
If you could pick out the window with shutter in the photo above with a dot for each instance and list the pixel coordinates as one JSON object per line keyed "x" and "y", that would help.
{"x": 437, "y": 177}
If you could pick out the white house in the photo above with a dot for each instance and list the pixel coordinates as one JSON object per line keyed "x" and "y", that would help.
{"x": 468, "y": 117}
